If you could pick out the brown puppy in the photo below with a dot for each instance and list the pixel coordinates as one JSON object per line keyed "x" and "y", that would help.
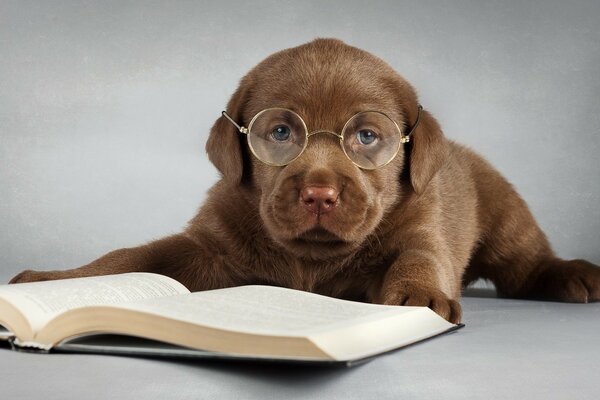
{"x": 412, "y": 231}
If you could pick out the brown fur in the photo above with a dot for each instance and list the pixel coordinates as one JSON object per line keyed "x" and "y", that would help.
{"x": 412, "y": 232}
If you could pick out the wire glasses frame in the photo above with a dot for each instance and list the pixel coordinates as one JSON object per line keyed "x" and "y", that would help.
{"x": 275, "y": 155}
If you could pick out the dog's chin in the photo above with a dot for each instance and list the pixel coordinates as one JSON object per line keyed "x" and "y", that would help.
{"x": 317, "y": 237}
{"x": 318, "y": 243}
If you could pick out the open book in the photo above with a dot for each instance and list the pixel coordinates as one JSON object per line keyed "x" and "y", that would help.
{"x": 156, "y": 315}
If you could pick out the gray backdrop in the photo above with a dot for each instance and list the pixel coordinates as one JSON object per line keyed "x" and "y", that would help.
{"x": 105, "y": 106}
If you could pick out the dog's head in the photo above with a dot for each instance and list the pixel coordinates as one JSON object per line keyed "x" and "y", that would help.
{"x": 321, "y": 204}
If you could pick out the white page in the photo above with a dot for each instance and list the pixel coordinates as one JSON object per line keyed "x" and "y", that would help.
{"x": 265, "y": 310}
{"x": 42, "y": 301}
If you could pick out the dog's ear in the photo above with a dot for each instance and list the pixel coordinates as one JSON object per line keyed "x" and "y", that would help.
{"x": 428, "y": 152}
{"x": 225, "y": 147}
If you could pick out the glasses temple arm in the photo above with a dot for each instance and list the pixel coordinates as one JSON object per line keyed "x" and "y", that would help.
{"x": 406, "y": 138}
{"x": 242, "y": 129}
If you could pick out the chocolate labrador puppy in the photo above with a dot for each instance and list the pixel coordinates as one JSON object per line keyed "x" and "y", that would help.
{"x": 336, "y": 181}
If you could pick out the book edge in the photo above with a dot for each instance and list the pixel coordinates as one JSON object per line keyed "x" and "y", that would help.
{"x": 329, "y": 342}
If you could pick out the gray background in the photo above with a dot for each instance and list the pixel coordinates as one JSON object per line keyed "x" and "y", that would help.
{"x": 105, "y": 106}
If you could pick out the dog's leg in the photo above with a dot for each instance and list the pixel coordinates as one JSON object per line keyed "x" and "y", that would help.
{"x": 515, "y": 255}
{"x": 574, "y": 281}
{"x": 521, "y": 273}
{"x": 191, "y": 262}
{"x": 413, "y": 281}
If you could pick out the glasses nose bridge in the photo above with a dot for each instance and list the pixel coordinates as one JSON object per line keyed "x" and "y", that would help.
{"x": 327, "y": 133}
{"x": 337, "y": 135}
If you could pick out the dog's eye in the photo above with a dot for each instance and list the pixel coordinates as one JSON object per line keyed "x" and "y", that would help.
{"x": 366, "y": 137}
{"x": 281, "y": 133}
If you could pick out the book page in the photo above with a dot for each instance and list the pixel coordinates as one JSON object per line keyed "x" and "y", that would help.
{"x": 265, "y": 310}
{"x": 42, "y": 301}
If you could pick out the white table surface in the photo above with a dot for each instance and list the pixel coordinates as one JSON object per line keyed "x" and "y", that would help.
{"x": 509, "y": 349}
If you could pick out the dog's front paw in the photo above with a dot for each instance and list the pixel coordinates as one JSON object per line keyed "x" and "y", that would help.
{"x": 414, "y": 294}
{"x": 575, "y": 281}
{"x": 35, "y": 276}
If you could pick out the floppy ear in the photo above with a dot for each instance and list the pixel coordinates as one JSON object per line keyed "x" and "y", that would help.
{"x": 428, "y": 152}
{"x": 224, "y": 145}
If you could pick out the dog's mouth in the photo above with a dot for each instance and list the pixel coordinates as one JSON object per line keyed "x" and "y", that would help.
{"x": 319, "y": 235}
{"x": 318, "y": 243}
{"x": 329, "y": 233}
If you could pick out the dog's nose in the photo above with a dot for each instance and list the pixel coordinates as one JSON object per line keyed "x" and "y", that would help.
{"x": 319, "y": 199}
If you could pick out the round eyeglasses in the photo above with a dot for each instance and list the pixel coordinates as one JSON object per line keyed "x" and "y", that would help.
{"x": 370, "y": 139}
